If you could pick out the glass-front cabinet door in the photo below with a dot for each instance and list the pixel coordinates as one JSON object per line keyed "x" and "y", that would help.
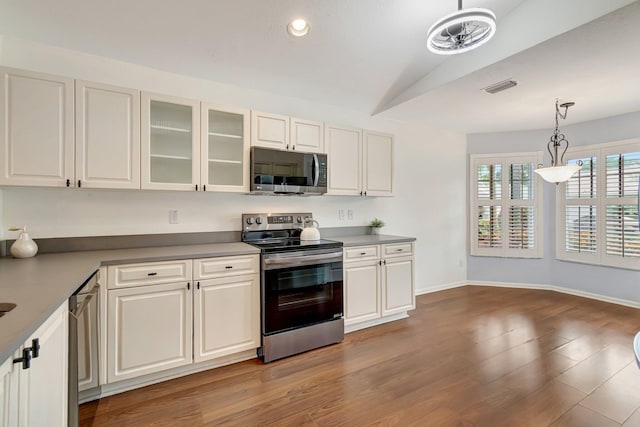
{"x": 170, "y": 143}
{"x": 225, "y": 149}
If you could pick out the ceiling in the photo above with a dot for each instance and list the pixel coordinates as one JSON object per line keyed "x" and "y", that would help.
{"x": 369, "y": 55}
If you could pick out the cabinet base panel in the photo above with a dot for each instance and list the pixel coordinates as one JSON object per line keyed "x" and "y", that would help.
{"x": 379, "y": 321}
{"x": 158, "y": 377}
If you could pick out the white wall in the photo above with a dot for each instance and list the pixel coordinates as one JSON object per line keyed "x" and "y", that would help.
{"x": 435, "y": 212}
{"x": 606, "y": 281}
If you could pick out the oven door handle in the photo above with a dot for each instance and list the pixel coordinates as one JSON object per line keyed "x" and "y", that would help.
{"x": 294, "y": 261}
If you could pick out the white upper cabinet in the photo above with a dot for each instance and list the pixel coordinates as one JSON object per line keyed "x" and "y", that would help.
{"x": 36, "y": 123}
{"x": 107, "y": 136}
{"x": 307, "y": 136}
{"x": 378, "y": 164}
{"x": 269, "y": 130}
{"x": 360, "y": 163}
{"x": 344, "y": 148}
{"x": 170, "y": 143}
{"x": 225, "y": 149}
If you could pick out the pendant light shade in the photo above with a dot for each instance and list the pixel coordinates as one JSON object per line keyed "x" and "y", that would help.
{"x": 461, "y": 31}
{"x": 558, "y": 172}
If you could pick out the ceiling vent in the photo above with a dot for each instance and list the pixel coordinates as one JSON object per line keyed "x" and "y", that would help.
{"x": 500, "y": 86}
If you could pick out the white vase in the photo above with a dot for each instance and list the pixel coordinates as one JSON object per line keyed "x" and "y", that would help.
{"x": 23, "y": 247}
{"x": 375, "y": 230}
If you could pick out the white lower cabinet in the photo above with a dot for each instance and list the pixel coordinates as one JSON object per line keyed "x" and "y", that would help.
{"x": 226, "y": 316}
{"x": 398, "y": 293}
{"x": 153, "y": 326}
{"x": 37, "y": 396}
{"x": 149, "y": 330}
{"x": 361, "y": 292}
{"x": 378, "y": 283}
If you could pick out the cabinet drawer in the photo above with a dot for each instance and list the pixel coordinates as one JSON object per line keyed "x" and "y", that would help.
{"x": 211, "y": 268}
{"x": 360, "y": 253}
{"x": 151, "y": 273}
{"x": 397, "y": 249}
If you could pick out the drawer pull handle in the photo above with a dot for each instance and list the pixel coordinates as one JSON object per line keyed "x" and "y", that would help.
{"x": 399, "y": 250}
{"x": 363, "y": 253}
{"x": 152, "y": 274}
{"x": 228, "y": 266}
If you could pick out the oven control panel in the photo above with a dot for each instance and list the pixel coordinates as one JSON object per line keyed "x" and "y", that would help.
{"x": 274, "y": 221}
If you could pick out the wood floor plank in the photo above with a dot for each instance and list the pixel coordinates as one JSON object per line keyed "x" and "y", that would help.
{"x": 469, "y": 356}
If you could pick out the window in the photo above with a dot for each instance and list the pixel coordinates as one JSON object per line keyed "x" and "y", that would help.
{"x": 597, "y": 217}
{"x": 505, "y": 205}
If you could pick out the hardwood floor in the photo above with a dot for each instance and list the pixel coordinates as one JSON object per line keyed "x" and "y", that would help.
{"x": 470, "y": 356}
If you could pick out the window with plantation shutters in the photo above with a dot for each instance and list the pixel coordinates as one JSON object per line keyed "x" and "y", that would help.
{"x": 505, "y": 205}
{"x": 598, "y": 207}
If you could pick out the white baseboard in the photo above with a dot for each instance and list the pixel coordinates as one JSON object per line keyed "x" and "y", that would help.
{"x": 569, "y": 291}
{"x": 440, "y": 288}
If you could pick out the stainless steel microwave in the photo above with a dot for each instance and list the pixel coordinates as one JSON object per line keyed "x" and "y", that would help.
{"x": 287, "y": 172}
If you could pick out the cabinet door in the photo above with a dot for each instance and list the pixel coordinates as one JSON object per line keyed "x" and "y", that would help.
{"x": 269, "y": 130}
{"x": 107, "y": 136}
{"x": 307, "y": 136}
{"x": 378, "y": 164}
{"x": 361, "y": 292}
{"x": 225, "y": 149}
{"x": 44, "y": 386}
{"x": 226, "y": 316}
{"x": 149, "y": 330}
{"x": 36, "y": 124}
{"x": 398, "y": 292}
{"x": 170, "y": 143}
{"x": 344, "y": 148}
{"x": 9, "y": 393}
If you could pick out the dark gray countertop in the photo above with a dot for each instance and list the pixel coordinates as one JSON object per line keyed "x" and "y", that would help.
{"x": 371, "y": 239}
{"x": 39, "y": 285}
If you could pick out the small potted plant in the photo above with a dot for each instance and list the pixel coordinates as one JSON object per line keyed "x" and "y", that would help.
{"x": 376, "y": 224}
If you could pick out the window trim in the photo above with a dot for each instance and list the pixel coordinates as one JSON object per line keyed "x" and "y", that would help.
{"x": 600, "y": 257}
{"x": 505, "y": 159}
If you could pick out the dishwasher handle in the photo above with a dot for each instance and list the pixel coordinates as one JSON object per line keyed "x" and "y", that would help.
{"x": 81, "y": 307}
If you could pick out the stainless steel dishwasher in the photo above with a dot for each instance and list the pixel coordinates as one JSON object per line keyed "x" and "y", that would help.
{"x": 82, "y": 323}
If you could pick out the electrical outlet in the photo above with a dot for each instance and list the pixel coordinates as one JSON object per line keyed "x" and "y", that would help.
{"x": 350, "y": 214}
{"x": 173, "y": 217}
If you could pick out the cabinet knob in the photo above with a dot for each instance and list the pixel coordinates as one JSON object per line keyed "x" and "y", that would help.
{"x": 79, "y": 183}
{"x": 196, "y": 187}
{"x": 204, "y": 188}
{"x": 68, "y": 183}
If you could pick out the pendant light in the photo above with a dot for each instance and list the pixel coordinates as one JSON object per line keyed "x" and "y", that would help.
{"x": 461, "y": 31}
{"x": 558, "y": 172}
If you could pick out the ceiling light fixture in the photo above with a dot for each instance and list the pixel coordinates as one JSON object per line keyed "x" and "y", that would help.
{"x": 298, "y": 27}
{"x": 461, "y": 31}
{"x": 558, "y": 172}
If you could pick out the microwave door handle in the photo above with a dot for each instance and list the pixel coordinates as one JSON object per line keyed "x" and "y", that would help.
{"x": 316, "y": 167}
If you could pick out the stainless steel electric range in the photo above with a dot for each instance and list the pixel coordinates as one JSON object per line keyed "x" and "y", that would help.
{"x": 300, "y": 285}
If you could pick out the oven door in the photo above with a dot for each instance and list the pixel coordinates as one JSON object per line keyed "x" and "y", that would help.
{"x": 300, "y": 288}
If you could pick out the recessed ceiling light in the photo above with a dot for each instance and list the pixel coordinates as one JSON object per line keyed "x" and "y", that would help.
{"x": 298, "y": 27}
